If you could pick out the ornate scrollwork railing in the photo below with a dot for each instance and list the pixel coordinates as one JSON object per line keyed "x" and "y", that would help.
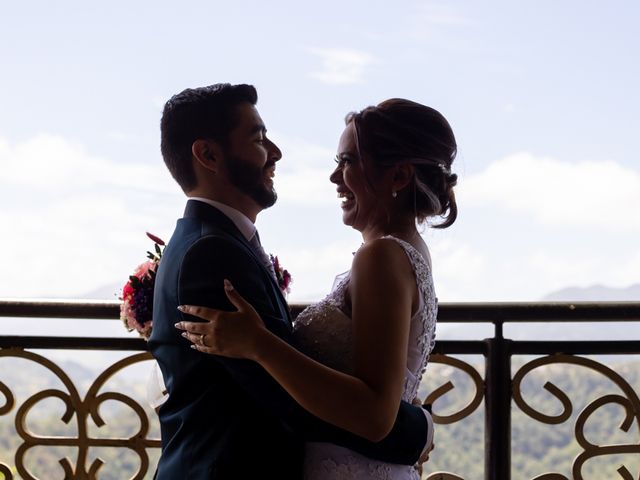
{"x": 629, "y": 402}
{"x": 444, "y": 476}
{"x": 86, "y": 411}
{"x": 497, "y": 388}
{"x": 439, "y": 392}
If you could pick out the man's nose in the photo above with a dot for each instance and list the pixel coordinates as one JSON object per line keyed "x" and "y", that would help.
{"x": 275, "y": 152}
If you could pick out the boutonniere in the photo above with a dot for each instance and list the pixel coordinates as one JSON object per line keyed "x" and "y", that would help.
{"x": 282, "y": 276}
{"x": 137, "y": 294}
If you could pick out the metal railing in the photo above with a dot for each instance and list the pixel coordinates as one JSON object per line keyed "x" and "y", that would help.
{"x": 499, "y": 389}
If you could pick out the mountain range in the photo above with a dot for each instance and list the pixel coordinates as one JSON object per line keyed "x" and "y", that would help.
{"x": 595, "y": 293}
{"x": 559, "y": 331}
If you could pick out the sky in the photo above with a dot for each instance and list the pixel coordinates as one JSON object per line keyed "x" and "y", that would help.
{"x": 542, "y": 97}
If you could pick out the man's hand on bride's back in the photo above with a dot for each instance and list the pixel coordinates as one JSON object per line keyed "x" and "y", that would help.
{"x": 230, "y": 334}
{"x": 425, "y": 455}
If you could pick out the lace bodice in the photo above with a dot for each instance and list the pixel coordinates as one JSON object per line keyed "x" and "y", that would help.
{"x": 324, "y": 332}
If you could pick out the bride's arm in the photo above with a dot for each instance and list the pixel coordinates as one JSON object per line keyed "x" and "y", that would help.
{"x": 382, "y": 289}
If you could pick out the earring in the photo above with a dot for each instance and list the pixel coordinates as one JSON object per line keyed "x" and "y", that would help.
{"x": 394, "y": 194}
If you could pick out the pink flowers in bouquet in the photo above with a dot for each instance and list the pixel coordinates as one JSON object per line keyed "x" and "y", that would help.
{"x": 137, "y": 294}
{"x": 282, "y": 276}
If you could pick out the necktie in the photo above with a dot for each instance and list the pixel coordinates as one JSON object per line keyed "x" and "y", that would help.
{"x": 262, "y": 255}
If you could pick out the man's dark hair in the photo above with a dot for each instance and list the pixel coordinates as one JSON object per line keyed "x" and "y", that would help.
{"x": 198, "y": 114}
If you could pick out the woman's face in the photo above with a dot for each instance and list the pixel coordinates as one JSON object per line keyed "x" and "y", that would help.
{"x": 356, "y": 184}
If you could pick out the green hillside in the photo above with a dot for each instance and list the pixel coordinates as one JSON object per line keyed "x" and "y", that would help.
{"x": 536, "y": 448}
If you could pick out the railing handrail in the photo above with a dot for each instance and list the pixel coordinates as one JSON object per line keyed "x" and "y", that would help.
{"x": 448, "y": 312}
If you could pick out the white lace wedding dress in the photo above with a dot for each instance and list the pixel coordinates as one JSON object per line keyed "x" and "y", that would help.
{"x": 323, "y": 331}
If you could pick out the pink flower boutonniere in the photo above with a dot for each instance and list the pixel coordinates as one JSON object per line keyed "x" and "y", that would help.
{"x": 282, "y": 276}
{"x": 137, "y": 294}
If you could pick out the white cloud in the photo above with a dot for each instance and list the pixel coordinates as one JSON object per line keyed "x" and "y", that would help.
{"x": 302, "y": 177}
{"x": 458, "y": 269}
{"x": 315, "y": 269}
{"x": 300, "y": 153}
{"x": 558, "y": 193}
{"x": 49, "y": 163}
{"x": 557, "y": 270}
{"x": 341, "y": 66}
{"x": 306, "y": 187}
{"x": 466, "y": 271}
{"x": 76, "y": 221}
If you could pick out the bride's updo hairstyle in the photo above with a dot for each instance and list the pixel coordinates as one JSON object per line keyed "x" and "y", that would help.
{"x": 402, "y": 131}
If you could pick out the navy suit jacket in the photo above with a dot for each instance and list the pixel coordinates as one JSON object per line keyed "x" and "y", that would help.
{"x": 228, "y": 418}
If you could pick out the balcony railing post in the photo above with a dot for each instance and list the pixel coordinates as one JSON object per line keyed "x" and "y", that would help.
{"x": 498, "y": 408}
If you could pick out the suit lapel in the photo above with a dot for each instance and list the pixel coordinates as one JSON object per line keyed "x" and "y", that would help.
{"x": 210, "y": 214}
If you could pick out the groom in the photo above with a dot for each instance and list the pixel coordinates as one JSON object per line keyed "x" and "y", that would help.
{"x": 227, "y": 418}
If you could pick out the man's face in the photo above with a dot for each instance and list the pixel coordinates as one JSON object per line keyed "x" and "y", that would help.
{"x": 250, "y": 157}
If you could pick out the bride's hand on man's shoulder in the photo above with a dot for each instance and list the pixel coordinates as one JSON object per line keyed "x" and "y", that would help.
{"x": 230, "y": 334}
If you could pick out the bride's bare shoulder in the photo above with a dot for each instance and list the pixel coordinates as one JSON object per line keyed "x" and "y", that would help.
{"x": 382, "y": 255}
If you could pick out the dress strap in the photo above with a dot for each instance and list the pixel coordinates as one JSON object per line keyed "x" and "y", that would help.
{"x": 418, "y": 262}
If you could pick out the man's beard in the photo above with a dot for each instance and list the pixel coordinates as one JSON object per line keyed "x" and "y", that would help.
{"x": 249, "y": 179}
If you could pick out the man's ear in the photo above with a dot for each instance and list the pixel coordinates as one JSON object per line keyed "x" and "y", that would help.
{"x": 207, "y": 153}
{"x": 402, "y": 174}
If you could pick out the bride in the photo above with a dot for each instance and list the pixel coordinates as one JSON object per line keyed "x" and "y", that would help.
{"x": 367, "y": 343}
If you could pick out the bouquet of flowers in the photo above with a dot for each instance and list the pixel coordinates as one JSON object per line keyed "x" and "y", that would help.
{"x": 137, "y": 294}
{"x": 282, "y": 276}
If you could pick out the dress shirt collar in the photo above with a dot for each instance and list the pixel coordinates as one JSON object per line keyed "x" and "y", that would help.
{"x": 240, "y": 220}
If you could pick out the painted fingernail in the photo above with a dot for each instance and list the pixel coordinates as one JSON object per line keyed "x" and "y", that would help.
{"x": 194, "y": 347}
{"x": 227, "y": 285}
{"x": 184, "y": 334}
{"x": 177, "y": 325}
{"x": 181, "y": 308}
